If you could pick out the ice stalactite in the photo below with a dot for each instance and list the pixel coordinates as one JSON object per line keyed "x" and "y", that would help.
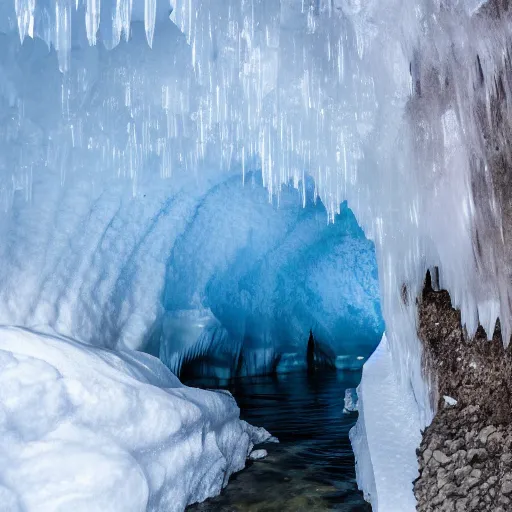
{"x": 58, "y": 21}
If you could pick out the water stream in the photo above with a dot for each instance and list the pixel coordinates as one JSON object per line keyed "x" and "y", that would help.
{"x": 312, "y": 468}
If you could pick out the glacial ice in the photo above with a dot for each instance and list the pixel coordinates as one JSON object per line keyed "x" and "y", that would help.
{"x": 245, "y": 293}
{"x": 350, "y": 400}
{"x": 388, "y": 104}
{"x": 84, "y": 428}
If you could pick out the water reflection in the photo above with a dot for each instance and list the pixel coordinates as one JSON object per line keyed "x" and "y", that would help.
{"x": 312, "y": 469}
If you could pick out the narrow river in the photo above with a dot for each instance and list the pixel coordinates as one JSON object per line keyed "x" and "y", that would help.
{"x": 312, "y": 468}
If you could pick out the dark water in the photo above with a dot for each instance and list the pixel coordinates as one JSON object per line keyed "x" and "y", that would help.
{"x": 312, "y": 468}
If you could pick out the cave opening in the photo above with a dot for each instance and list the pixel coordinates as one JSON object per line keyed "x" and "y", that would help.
{"x": 168, "y": 169}
{"x": 251, "y": 284}
{"x": 275, "y": 304}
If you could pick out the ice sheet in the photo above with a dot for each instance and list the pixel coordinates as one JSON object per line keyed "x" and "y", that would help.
{"x": 387, "y": 432}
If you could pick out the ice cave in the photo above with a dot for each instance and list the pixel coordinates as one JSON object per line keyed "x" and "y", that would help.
{"x": 256, "y": 255}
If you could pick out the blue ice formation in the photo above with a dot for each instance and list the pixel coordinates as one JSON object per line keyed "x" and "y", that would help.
{"x": 242, "y": 290}
{"x": 127, "y": 223}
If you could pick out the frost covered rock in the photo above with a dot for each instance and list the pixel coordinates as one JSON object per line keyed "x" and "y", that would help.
{"x": 350, "y": 401}
{"x": 465, "y": 457}
{"x": 84, "y": 428}
{"x": 258, "y": 454}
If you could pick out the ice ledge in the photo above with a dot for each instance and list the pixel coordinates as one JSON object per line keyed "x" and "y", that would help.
{"x": 386, "y": 436}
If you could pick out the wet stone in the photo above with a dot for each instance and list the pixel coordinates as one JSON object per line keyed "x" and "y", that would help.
{"x": 440, "y": 457}
{"x": 506, "y": 487}
{"x": 477, "y": 455}
{"x": 485, "y": 433}
{"x": 506, "y": 458}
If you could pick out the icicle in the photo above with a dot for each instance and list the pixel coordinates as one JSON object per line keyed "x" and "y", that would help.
{"x": 150, "y": 20}
{"x": 125, "y": 16}
{"x": 243, "y": 166}
{"x": 25, "y": 17}
{"x": 63, "y": 32}
{"x": 92, "y": 20}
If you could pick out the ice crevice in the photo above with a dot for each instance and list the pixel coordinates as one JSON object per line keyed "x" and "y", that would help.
{"x": 398, "y": 107}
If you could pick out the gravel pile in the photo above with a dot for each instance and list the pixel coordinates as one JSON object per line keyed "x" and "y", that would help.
{"x": 465, "y": 458}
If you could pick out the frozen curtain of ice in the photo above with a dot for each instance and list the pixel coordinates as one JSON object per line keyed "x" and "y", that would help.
{"x": 395, "y": 106}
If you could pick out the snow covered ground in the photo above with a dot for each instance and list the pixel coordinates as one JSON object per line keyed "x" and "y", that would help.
{"x": 88, "y": 429}
{"x": 387, "y": 431}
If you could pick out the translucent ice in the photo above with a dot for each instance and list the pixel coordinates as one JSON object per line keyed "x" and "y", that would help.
{"x": 244, "y": 291}
{"x": 350, "y": 401}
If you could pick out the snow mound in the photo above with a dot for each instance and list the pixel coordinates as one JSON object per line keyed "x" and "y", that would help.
{"x": 258, "y": 454}
{"x": 85, "y": 429}
{"x": 386, "y": 435}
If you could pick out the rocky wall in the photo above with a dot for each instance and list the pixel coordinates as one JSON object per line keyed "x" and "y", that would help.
{"x": 465, "y": 458}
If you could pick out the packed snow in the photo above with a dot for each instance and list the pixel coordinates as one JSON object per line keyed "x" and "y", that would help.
{"x": 449, "y": 401}
{"x": 84, "y": 428}
{"x": 388, "y": 429}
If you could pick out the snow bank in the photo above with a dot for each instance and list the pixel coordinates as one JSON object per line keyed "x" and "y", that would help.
{"x": 386, "y": 434}
{"x": 84, "y": 428}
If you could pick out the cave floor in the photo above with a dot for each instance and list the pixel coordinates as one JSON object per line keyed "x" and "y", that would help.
{"x": 312, "y": 468}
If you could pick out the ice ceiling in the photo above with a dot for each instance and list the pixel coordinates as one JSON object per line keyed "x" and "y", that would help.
{"x": 115, "y": 117}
